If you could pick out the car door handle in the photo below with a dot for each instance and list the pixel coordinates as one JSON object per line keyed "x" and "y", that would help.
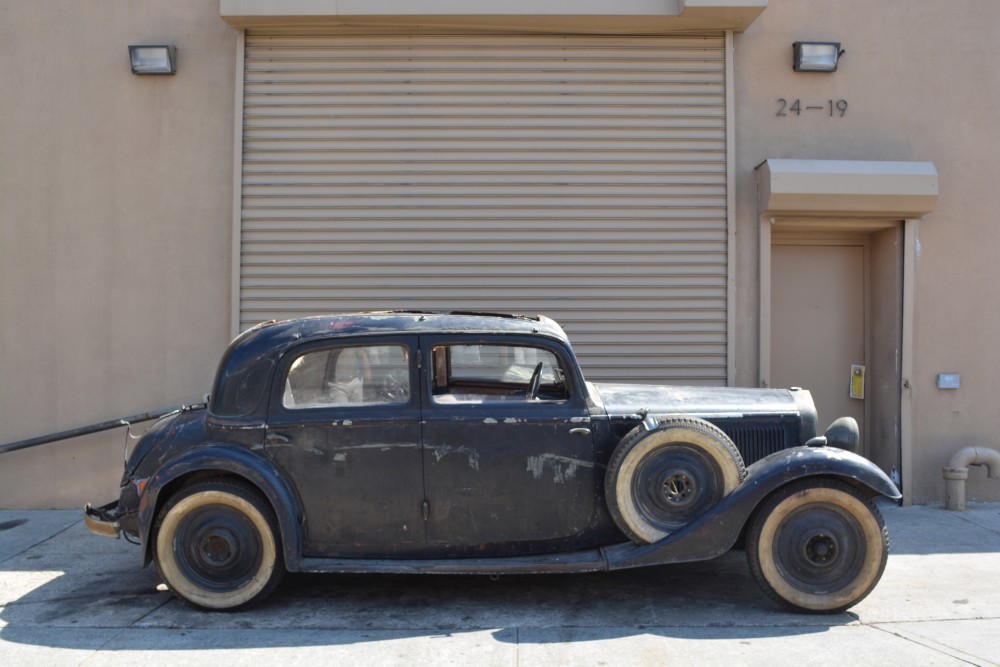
{"x": 278, "y": 439}
{"x": 580, "y": 431}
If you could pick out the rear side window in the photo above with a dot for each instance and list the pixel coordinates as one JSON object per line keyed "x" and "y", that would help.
{"x": 354, "y": 375}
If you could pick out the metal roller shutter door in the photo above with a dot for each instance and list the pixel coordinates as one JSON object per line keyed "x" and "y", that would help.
{"x": 579, "y": 177}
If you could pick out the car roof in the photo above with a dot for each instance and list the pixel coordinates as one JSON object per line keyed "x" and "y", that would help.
{"x": 413, "y": 321}
{"x": 244, "y": 374}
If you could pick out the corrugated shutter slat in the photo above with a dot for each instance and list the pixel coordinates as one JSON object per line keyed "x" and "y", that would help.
{"x": 580, "y": 177}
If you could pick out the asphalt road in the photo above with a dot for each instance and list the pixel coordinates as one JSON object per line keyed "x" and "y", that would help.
{"x": 72, "y": 598}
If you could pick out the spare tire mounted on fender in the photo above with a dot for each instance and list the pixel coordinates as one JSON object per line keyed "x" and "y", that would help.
{"x": 660, "y": 480}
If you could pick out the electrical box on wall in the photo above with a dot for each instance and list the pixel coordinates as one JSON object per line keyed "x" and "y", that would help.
{"x": 858, "y": 381}
{"x": 949, "y": 380}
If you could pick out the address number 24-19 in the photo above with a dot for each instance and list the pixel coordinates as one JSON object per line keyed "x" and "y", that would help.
{"x": 832, "y": 107}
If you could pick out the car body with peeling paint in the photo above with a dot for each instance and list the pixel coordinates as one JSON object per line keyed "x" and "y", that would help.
{"x": 410, "y": 442}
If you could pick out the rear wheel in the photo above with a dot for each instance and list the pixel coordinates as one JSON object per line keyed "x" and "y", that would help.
{"x": 217, "y": 545}
{"x": 817, "y": 546}
{"x": 660, "y": 480}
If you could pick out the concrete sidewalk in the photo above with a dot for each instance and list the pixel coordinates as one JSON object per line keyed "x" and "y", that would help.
{"x": 70, "y": 598}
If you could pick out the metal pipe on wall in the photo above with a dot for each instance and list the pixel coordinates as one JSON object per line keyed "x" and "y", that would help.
{"x": 957, "y": 471}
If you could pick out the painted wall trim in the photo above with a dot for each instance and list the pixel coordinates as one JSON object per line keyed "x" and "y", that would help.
{"x": 590, "y": 16}
{"x": 831, "y": 188}
{"x": 237, "y": 221}
{"x": 910, "y": 239}
{"x": 764, "y": 301}
{"x": 730, "y": 212}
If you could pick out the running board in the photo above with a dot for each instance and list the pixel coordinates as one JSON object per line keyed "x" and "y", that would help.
{"x": 579, "y": 561}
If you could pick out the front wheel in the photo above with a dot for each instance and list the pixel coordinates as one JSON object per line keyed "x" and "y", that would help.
{"x": 217, "y": 545}
{"x": 817, "y": 546}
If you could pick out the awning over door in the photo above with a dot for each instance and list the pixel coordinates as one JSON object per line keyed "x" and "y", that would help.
{"x": 873, "y": 189}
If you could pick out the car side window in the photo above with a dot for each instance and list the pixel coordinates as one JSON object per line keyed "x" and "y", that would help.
{"x": 355, "y": 375}
{"x": 488, "y": 373}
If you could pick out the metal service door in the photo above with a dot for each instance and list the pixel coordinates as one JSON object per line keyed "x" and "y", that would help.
{"x": 818, "y": 325}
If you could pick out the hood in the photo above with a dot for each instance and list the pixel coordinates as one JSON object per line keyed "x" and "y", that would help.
{"x": 624, "y": 400}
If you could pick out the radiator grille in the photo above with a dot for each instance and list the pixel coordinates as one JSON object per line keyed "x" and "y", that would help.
{"x": 755, "y": 441}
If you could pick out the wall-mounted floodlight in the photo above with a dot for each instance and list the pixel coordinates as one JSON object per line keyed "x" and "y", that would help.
{"x": 816, "y": 56}
{"x": 153, "y": 59}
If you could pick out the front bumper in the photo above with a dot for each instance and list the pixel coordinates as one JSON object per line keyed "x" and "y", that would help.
{"x": 103, "y": 520}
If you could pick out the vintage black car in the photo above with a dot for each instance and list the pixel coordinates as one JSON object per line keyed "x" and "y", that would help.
{"x": 408, "y": 442}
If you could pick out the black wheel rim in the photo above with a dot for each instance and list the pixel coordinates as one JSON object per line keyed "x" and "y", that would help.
{"x": 820, "y": 548}
{"x": 218, "y": 548}
{"x": 674, "y": 484}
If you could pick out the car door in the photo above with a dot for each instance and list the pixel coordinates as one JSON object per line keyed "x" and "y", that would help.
{"x": 505, "y": 468}
{"x": 344, "y": 426}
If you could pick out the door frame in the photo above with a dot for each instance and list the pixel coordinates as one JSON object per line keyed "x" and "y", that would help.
{"x": 910, "y": 228}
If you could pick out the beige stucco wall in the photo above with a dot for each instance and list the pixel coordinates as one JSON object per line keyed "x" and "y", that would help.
{"x": 115, "y": 218}
{"x": 922, "y": 81}
{"x": 116, "y": 192}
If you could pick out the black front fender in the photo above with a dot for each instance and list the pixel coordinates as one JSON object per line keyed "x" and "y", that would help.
{"x": 235, "y": 461}
{"x": 716, "y": 531}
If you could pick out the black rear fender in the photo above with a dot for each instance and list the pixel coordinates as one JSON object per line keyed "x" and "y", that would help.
{"x": 224, "y": 461}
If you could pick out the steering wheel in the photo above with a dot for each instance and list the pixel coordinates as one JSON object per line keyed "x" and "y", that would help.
{"x": 395, "y": 388}
{"x": 535, "y": 382}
